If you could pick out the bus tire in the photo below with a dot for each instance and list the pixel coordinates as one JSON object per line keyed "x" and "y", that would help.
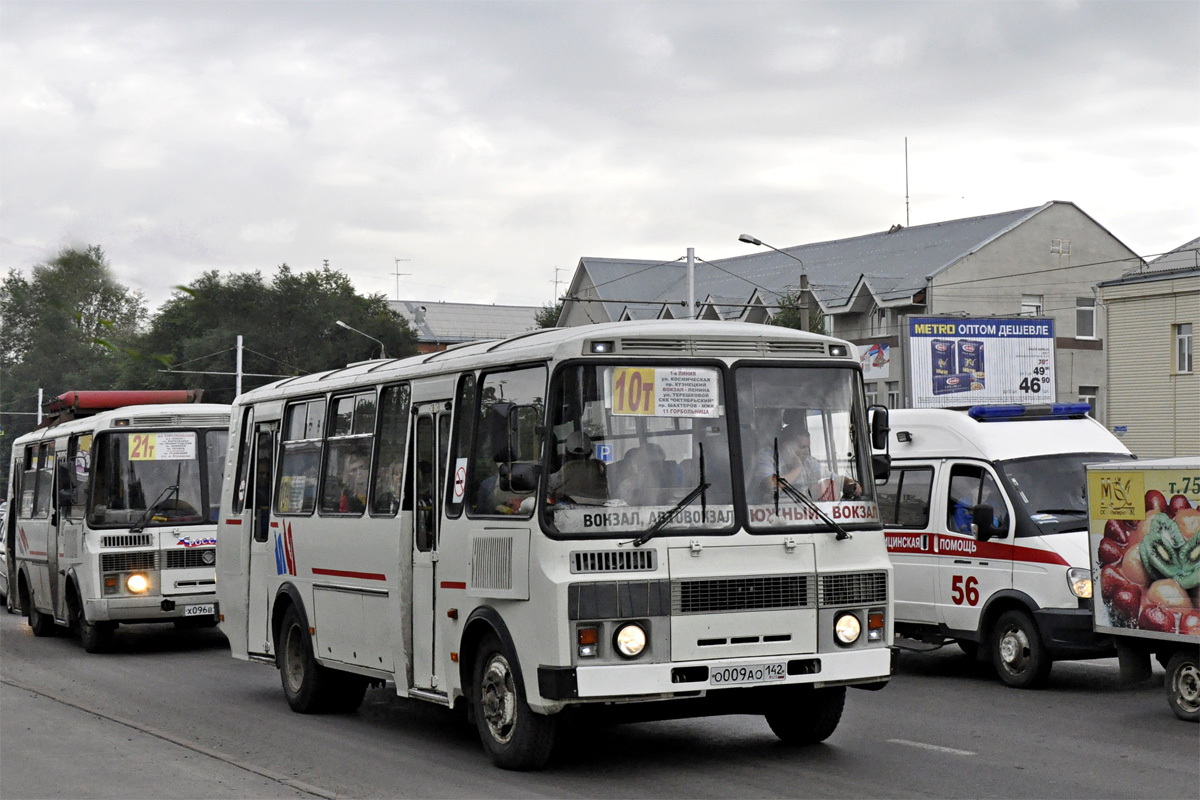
{"x": 41, "y": 624}
{"x": 811, "y": 718}
{"x": 1018, "y": 654}
{"x": 514, "y": 736}
{"x": 96, "y": 637}
{"x": 1183, "y": 686}
{"x": 302, "y": 677}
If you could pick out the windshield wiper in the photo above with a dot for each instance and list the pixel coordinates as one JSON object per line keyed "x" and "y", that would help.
{"x": 680, "y": 506}
{"x": 140, "y": 525}
{"x": 799, "y": 497}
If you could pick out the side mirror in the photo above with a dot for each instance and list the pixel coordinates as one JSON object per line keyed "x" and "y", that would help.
{"x": 879, "y": 427}
{"x": 498, "y": 431}
{"x": 983, "y": 523}
{"x": 520, "y": 478}
{"x": 881, "y": 467}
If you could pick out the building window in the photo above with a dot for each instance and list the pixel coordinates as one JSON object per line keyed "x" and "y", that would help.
{"x": 878, "y": 321}
{"x": 872, "y": 393}
{"x": 893, "y": 394}
{"x": 1089, "y": 395}
{"x": 829, "y": 325}
{"x": 1060, "y": 246}
{"x": 1031, "y": 305}
{"x": 1085, "y": 318}
{"x": 1183, "y": 347}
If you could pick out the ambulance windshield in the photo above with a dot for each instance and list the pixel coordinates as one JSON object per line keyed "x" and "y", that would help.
{"x": 1053, "y": 488}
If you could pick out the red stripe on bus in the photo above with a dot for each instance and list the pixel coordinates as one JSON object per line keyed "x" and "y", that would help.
{"x": 233, "y": 522}
{"x": 345, "y": 573}
{"x": 454, "y": 585}
{"x": 274, "y": 524}
{"x": 37, "y": 552}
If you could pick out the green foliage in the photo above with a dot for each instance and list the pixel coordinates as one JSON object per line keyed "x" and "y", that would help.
{"x": 67, "y": 326}
{"x": 287, "y": 325}
{"x": 790, "y": 315}
{"x": 548, "y": 316}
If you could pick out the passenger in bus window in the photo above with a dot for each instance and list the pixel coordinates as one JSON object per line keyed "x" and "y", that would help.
{"x": 354, "y": 485}
{"x": 581, "y": 479}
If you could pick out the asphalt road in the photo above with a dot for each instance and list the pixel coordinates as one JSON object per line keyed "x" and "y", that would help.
{"x": 170, "y": 714}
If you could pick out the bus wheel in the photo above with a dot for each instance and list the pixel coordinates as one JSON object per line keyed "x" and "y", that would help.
{"x": 811, "y": 718}
{"x": 96, "y": 637}
{"x": 1183, "y": 686}
{"x": 42, "y": 624}
{"x": 514, "y": 736}
{"x": 301, "y": 674}
{"x": 1018, "y": 654}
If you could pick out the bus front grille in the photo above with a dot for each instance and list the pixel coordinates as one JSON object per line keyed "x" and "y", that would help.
{"x": 127, "y": 562}
{"x": 613, "y": 561}
{"x": 190, "y": 558}
{"x": 127, "y": 540}
{"x": 853, "y": 589}
{"x": 742, "y": 594}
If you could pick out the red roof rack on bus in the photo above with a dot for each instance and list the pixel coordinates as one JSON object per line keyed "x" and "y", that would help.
{"x": 71, "y": 405}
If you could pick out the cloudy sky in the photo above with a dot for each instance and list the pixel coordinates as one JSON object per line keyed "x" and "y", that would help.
{"x": 490, "y": 145}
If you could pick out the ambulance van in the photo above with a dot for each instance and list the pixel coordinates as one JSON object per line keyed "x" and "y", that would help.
{"x": 985, "y": 515}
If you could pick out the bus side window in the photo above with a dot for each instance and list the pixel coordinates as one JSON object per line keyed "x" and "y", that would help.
{"x": 242, "y": 479}
{"x": 81, "y": 469}
{"x": 388, "y": 478}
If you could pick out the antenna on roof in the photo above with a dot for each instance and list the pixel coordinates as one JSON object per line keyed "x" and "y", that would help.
{"x": 907, "y": 223}
{"x": 398, "y": 273}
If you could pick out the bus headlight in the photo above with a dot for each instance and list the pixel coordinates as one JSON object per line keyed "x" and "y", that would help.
{"x": 847, "y": 628}
{"x": 137, "y": 583}
{"x": 1080, "y": 581}
{"x": 630, "y": 640}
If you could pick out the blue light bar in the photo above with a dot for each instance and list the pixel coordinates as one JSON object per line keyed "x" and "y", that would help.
{"x": 1042, "y": 411}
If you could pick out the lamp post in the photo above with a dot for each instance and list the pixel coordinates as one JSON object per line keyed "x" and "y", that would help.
{"x": 748, "y": 239}
{"x": 382, "y": 352}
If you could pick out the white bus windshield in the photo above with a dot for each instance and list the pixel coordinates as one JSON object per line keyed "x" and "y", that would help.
{"x": 154, "y": 478}
{"x": 631, "y": 443}
{"x": 801, "y": 445}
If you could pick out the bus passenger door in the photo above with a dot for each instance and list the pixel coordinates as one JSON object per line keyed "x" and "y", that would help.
{"x": 257, "y": 518}
{"x": 431, "y": 438}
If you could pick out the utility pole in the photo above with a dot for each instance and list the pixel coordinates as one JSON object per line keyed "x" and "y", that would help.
{"x": 398, "y": 274}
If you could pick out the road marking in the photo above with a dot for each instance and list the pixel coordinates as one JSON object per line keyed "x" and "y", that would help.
{"x": 934, "y": 747}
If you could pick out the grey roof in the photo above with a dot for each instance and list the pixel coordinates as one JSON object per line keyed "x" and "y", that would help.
{"x": 1183, "y": 261}
{"x": 892, "y": 265}
{"x": 464, "y": 322}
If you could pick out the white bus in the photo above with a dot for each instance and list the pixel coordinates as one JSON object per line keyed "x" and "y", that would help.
{"x": 569, "y": 518}
{"x": 113, "y": 513}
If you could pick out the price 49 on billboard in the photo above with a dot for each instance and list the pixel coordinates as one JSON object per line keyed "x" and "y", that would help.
{"x": 955, "y": 361}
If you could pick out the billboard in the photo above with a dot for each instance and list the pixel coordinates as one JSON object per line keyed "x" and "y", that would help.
{"x": 961, "y": 361}
{"x": 876, "y": 360}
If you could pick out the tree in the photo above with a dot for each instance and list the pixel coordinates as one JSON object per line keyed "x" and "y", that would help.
{"x": 288, "y": 328}
{"x": 548, "y": 316}
{"x": 790, "y": 314}
{"x": 67, "y": 326}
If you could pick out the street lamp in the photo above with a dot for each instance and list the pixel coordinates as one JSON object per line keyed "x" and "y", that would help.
{"x": 748, "y": 239}
{"x": 382, "y": 352}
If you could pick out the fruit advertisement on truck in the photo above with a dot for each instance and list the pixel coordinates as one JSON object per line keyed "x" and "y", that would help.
{"x": 1144, "y": 526}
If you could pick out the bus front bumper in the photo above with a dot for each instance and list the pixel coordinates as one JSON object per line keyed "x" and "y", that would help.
{"x": 152, "y": 608}
{"x": 616, "y": 682}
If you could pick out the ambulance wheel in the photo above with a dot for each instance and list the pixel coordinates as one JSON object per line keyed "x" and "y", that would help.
{"x": 514, "y": 736}
{"x": 1183, "y": 686}
{"x": 1018, "y": 654}
{"x": 811, "y": 718}
{"x": 96, "y": 637}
